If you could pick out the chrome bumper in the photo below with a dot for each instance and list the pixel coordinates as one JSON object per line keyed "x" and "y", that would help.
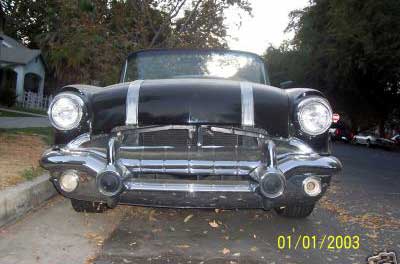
{"x": 290, "y": 159}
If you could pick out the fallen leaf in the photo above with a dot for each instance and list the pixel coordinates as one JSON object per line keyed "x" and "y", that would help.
{"x": 253, "y": 249}
{"x": 183, "y": 246}
{"x": 213, "y": 224}
{"x": 151, "y": 216}
{"x": 187, "y": 218}
{"x": 226, "y": 251}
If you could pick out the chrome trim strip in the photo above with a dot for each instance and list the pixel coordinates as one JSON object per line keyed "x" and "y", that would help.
{"x": 188, "y": 187}
{"x": 78, "y": 141}
{"x": 272, "y": 154}
{"x": 132, "y": 102}
{"x": 247, "y": 104}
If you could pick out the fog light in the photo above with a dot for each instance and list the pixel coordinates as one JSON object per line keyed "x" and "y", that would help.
{"x": 109, "y": 183}
{"x": 312, "y": 186}
{"x": 69, "y": 181}
{"x": 272, "y": 184}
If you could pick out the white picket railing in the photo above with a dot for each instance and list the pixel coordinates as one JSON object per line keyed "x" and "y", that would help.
{"x": 34, "y": 101}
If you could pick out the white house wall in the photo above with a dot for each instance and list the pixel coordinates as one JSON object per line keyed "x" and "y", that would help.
{"x": 35, "y": 66}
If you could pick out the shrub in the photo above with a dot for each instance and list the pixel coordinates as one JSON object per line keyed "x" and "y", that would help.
{"x": 8, "y": 97}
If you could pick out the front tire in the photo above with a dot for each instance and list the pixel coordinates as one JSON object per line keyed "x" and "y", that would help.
{"x": 296, "y": 210}
{"x": 88, "y": 207}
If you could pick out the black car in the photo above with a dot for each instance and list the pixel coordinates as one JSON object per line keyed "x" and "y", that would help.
{"x": 191, "y": 128}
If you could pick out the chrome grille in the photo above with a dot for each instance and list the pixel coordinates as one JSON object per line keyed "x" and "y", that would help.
{"x": 220, "y": 139}
{"x": 199, "y": 137}
{"x": 172, "y": 137}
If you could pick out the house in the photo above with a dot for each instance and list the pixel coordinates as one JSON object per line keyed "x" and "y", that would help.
{"x": 21, "y": 69}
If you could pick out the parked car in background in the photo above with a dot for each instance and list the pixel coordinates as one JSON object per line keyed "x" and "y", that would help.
{"x": 396, "y": 139}
{"x": 371, "y": 139}
{"x": 340, "y": 132}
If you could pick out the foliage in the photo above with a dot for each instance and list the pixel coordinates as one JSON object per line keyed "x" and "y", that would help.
{"x": 351, "y": 51}
{"x": 287, "y": 64}
{"x": 87, "y": 40}
{"x": 32, "y": 173}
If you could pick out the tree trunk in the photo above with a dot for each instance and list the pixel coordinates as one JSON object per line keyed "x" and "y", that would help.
{"x": 382, "y": 127}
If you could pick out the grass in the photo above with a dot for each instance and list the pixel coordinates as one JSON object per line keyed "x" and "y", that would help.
{"x": 46, "y": 133}
{"x": 32, "y": 173}
{"x": 12, "y": 114}
{"x": 35, "y": 111}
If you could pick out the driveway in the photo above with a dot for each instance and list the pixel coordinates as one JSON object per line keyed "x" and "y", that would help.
{"x": 23, "y": 122}
{"x": 363, "y": 202}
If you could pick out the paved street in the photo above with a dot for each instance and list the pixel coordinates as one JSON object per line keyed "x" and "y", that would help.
{"x": 24, "y": 122}
{"x": 364, "y": 201}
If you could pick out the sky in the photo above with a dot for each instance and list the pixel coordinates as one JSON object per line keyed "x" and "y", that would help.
{"x": 267, "y": 25}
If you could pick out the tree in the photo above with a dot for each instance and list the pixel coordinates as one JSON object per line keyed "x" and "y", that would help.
{"x": 287, "y": 64}
{"x": 352, "y": 52}
{"x": 87, "y": 40}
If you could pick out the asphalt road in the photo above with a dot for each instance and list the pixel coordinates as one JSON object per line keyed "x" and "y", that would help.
{"x": 364, "y": 201}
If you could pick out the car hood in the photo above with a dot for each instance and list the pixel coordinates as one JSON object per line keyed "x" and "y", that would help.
{"x": 188, "y": 101}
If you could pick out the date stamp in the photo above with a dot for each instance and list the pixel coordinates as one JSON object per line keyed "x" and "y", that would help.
{"x": 322, "y": 242}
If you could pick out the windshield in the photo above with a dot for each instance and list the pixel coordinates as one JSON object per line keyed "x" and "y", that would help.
{"x": 173, "y": 64}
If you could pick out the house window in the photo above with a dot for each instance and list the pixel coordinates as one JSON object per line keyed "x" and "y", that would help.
{"x": 32, "y": 82}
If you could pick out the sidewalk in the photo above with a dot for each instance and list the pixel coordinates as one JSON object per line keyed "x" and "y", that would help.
{"x": 23, "y": 122}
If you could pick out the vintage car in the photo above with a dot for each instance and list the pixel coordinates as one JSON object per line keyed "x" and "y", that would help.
{"x": 191, "y": 128}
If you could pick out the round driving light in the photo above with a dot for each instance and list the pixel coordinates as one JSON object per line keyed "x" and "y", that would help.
{"x": 312, "y": 186}
{"x": 109, "y": 183}
{"x": 272, "y": 184}
{"x": 69, "y": 181}
{"x": 314, "y": 115}
{"x": 65, "y": 111}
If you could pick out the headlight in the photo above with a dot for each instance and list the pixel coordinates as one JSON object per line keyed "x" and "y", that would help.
{"x": 65, "y": 111}
{"x": 314, "y": 115}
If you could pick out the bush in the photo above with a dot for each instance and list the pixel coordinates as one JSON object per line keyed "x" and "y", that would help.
{"x": 8, "y": 97}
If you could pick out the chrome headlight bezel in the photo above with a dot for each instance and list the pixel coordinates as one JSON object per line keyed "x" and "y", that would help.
{"x": 306, "y": 103}
{"x": 76, "y": 102}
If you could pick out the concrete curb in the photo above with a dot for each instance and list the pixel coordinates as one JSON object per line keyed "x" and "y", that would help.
{"x": 15, "y": 202}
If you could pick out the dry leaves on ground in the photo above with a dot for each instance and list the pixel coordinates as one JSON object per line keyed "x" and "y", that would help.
{"x": 97, "y": 238}
{"x": 213, "y": 224}
{"x": 226, "y": 251}
{"x": 187, "y": 218}
{"x": 183, "y": 246}
{"x": 368, "y": 220}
